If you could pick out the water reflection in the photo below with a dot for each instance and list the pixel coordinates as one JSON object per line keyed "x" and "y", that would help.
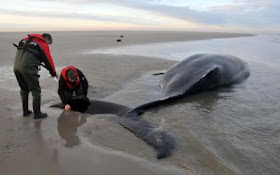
{"x": 68, "y": 124}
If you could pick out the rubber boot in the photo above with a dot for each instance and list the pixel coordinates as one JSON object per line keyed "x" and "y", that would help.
{"x": 24, "y": 101}
{"x": 37, "y": 106}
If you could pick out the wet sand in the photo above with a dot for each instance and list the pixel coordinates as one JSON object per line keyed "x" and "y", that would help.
{"x": 71, "y": 143}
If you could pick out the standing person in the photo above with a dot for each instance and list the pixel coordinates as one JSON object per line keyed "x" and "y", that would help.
{"x": 32, "y": 51}
{"x": 72, "y": 85}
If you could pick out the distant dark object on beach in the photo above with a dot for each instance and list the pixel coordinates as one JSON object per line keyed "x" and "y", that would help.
{"x": 121, "y": 36}
{"x": 119, "y": 40}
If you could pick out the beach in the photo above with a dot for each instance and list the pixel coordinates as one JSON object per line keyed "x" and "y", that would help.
{"x": 74, "y": 143}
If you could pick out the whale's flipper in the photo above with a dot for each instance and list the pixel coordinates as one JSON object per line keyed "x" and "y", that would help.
{"x": 159, "y": 73}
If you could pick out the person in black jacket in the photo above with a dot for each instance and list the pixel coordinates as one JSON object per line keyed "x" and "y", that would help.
{"x": 72, "y": 85}
{"x": 32, "y": 51}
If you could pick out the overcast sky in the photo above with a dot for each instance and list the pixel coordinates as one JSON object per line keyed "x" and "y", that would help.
{"x": 258, "y": 16}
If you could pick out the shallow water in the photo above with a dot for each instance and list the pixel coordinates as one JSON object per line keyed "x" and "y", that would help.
{"x": 228, "y": 131}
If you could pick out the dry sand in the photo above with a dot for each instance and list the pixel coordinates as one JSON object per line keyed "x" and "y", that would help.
{"x": 60, "y": 144}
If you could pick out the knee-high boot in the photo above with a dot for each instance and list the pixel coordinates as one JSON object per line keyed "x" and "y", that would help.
{"x": 24, "y": 101}
{"x": 37, "y": 106}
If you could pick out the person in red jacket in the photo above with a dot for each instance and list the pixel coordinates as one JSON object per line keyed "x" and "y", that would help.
{"x": 72, "y": 85}
{"x": 32, "y": 51}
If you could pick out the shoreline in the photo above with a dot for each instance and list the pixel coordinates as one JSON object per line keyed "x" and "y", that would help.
{"x": 99, "y": 30}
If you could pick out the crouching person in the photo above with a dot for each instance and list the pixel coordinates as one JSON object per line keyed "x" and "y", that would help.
{"x": 73, "y": 85}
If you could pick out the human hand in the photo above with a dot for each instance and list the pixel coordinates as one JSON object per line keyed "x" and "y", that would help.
{"x": 55, "y": 79}
{"x": 52, "y": 75}
{"x": 67, "y": 107}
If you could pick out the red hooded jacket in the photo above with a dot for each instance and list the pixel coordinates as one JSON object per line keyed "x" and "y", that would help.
{"x": 47, "y": 58}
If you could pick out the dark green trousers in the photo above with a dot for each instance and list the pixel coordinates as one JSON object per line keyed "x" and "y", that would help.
{"x": 28, "y": 82}
{"x": 26, "y": 71}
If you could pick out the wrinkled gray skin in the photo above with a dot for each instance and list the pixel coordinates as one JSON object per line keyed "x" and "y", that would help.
{"x": 197, "y": 73}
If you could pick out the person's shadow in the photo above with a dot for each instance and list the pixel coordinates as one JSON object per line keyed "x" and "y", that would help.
{"x": 68, "y": 124}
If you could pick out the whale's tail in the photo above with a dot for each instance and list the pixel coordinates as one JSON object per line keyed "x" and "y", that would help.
{"x": 129, "y": 118}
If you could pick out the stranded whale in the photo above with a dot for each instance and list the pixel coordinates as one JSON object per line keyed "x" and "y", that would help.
{"x": 197, "y": 73}
{"x": 162, "y": 141}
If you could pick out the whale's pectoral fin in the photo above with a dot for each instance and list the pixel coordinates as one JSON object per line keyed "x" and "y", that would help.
{"x": 160, "y": 72}
{"x": 160, "y": 140}
{"x": 209, "y": 80}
